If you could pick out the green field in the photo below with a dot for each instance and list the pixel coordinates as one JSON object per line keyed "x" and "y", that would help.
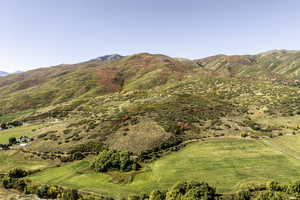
{"x": 12, "y": 116}
{"x": 11, "y": 159}
{"x": 223, "y": 163}
{"x": 17, "y": 132}
{"x": 290, "y": 142}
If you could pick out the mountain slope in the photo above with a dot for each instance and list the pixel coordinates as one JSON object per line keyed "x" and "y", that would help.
{"x": 144, "y": 103}
{"x": 53, "y": 85}
{"x": 271, "y": 64}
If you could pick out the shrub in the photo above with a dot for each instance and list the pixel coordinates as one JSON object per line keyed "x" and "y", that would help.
{"x": 243, "y": 135}
{"x": 77, "y": 156}
{"x": 294, "y": 188}
{"x": 17, "y": 173}
{"x": 242, "y": 195}
{"x": 7, "y": 182}
{"x": 157, "y": 195}
{"x": 14, "y": 183}
{"x": 269, "y": 195}
{"x": 191, "y": 190}
{"x": 12, "y": 140}
{"x": 275, "y": 186}
{"x": 70, "y": 194}
{"x": 3, "y": 126}
{"x": 42, "y": 191}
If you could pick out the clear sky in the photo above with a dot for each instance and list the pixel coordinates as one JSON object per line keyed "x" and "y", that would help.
{"x": 38, "y": 33}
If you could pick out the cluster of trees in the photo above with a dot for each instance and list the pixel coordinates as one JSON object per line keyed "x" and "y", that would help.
{"x": 267, "y": 191}
{"x": 74, "y": 156}
{"x": 4, "y": 126}
{"x": 113, "y": 160}
{"x": 187, "y": 190}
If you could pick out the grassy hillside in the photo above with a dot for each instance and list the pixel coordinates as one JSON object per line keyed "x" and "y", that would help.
{"x": 54, "y": 85}
{"x": 277, "y": 64}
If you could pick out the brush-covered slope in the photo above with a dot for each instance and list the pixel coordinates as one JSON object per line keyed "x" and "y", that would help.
{"x": 144, "y": 104}
{"x": 54, "y": 85}
{"x": 271, "y": 64}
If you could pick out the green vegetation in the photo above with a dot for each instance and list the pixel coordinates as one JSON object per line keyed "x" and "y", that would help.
{"x": 191, "y": 190}
{"x": 17, "y": 173}
{"x": 229, "y": 122}
{"x": 12, "y": 140}
{"x": 184, "y": 190}
{"x": 12, "y": 159}
{"x": 113, "y": 160}
{"x": 17, "y": 132}
{"x": 13, "y": 116}
{"x": 226, "y": 164}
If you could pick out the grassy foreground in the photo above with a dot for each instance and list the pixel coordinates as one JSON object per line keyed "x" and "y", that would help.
{"x": 223, "y": 163}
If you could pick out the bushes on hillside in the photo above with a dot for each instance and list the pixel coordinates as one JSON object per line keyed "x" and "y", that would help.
{"x": 191, "y": 190}
{"x": 17, "y": 173}
{"x": 157, "y": 195}
{"x": 270, "y": 195}
{"x": 77, "y": 156}
{"x": 188, "y": 190}
{"x": 12, "y": 140}
{"x": 109, "y": 160}
{"x": 91, "y": 146}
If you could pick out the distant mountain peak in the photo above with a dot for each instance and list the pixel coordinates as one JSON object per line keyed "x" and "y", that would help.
{"x": 3, "y": 73}
{"x": 108, "y": 57}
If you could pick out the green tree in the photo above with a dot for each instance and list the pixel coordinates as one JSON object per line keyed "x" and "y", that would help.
{"x": 191, "y": 190}
{"x": 157, "y": 195}
{"x": 12, "y": 140}
{"x": 17, "y": 173}
{"x": 108, "y": 160}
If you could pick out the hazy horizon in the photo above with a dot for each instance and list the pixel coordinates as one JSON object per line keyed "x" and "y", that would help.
{"x": 47, "y": 33}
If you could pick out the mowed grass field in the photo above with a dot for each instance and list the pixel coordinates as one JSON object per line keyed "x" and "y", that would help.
{"x": 225, "y": 163}
{"x": 12, "y": 159}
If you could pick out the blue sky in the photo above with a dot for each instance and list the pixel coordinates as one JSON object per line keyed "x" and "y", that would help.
{"x": 38, "y": 33}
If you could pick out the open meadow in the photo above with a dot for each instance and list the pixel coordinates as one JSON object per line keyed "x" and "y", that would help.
{"x": 226, "y": 163}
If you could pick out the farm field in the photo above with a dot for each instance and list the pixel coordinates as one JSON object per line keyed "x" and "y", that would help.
{"x": 226, "y": 163}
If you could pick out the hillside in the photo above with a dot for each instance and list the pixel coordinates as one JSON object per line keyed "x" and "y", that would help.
{"x": 54, "y": 85}
{"x": 117, "y": 101}
{"x": 272, "y": 65}
{"x": 154, "y": 107}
